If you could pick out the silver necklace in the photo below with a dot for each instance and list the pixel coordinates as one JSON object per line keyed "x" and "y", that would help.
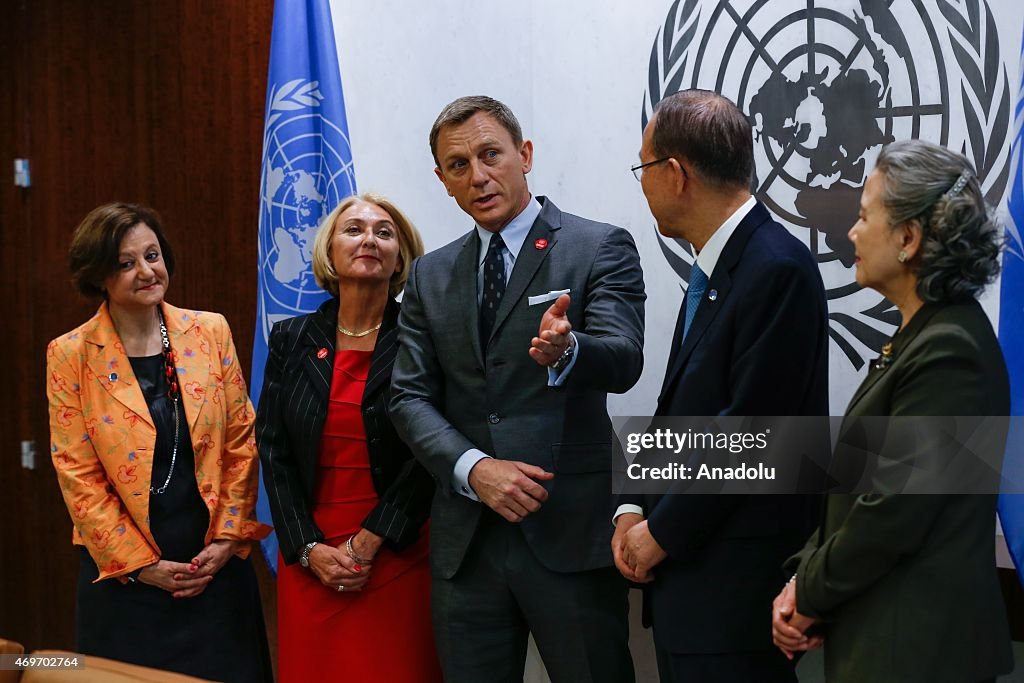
{"x": 352, "y": 333}
{"x": 175, "y": 396}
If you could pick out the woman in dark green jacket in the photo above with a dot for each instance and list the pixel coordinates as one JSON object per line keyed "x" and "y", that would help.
{"x": 903, "y": 587}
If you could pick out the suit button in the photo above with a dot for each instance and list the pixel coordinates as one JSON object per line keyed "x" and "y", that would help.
{"x": 493, "y": 418}
{"x": 375, "y": 441}
{"x": 378, "y": 471}
{"x": 371, "y": 410}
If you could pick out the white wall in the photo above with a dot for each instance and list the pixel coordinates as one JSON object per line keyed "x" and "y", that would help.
{"x": 575, "y": 72}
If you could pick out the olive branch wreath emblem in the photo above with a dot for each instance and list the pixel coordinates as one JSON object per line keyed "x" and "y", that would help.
{"x": 293, "y": 95}
{"x": 977, "y": 55}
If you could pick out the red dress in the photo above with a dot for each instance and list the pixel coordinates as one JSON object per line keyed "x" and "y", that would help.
{"x": 382, "y": 633}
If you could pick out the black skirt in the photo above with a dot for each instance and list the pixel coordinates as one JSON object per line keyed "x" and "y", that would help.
{"x": 219, "y": 634}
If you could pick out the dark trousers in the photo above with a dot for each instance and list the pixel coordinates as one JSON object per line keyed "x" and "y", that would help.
{"x": 733, "y": 667}
{"x": 501, "y": 594}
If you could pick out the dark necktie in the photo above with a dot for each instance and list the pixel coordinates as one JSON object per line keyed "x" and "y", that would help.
{"x": 694, "y": 293}
{"x": 494, "y": 286}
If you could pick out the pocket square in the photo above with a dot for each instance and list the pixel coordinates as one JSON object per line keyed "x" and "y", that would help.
{"x": 550, "y": 296}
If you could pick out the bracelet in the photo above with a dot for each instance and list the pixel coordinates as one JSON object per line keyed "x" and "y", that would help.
{"x": 352, "y": 552}
{"x": 792, "y": 579}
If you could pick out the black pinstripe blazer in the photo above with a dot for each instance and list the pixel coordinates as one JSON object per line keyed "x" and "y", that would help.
{"x": 290, "y": 421}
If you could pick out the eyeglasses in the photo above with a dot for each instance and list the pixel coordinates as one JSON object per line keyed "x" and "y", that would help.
{"x": 638, "y": 170}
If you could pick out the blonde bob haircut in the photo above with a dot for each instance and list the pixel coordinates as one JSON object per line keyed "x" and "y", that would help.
{"x": 410, "y": 244}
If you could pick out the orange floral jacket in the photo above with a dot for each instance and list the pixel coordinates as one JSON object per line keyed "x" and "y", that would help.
{"x": 102, "y": 436}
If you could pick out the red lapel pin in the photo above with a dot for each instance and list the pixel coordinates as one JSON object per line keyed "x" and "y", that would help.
{"x": 321, "y": 354}
{"x": 540, "y": 244}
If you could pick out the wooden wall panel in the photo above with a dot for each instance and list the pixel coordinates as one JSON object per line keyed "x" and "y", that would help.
{"x": 155, "y": 101}
{"x": 16, "y": 285}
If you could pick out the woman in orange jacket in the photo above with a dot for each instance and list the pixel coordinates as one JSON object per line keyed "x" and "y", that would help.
{"x": 151, "y": 437}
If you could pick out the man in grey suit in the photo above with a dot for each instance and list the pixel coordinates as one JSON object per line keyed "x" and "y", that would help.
{"x": 510, "y": 339}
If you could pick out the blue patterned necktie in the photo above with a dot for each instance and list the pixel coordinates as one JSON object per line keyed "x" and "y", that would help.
{"x": 694, "y": 293}
{"x": 494, "y": 286}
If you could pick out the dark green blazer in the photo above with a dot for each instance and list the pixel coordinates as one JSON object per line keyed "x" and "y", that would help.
{"x": 906, "y": 585}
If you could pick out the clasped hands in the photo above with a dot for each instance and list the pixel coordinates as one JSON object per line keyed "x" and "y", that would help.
{"x": 634, "y": 549}
{"x": 335, "y": 567}
{"x": 187, "y": 580}
{"x": 789, "y": 627}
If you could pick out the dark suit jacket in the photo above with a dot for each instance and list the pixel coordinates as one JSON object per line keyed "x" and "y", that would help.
{"x": 290, "y": 420}
{"x": 759, "y": 348}
{"x": 907, "y": 584}
{"x": 451, "y": 395}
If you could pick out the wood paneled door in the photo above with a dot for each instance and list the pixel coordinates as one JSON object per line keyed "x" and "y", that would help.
{"x": 152, "y": 101}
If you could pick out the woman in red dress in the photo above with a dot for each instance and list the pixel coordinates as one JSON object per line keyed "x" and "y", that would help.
{"x": 349, "y": 502}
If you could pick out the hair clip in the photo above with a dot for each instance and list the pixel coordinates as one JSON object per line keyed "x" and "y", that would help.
{"x": 959, "y": 185}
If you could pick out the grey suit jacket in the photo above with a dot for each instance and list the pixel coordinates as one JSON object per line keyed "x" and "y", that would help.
{"x": 906, "y": 584}
{"x": 450, "y": 394}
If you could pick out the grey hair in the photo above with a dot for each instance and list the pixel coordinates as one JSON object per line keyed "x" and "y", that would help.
{"x": 961, "y": 241}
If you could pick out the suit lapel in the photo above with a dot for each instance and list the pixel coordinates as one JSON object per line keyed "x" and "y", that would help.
{"x": 465, "y": 275}
{"x": 720, "y": 284}
{"x": 109, "y": 363}
{"x": 192, "y": 359}
{"x": 677, "y": 342}
{"x": 529, "y": 259}
{"x": 383, "y": 352}
{"x": 319, "y": 336}
{"x": 899, "y": 343}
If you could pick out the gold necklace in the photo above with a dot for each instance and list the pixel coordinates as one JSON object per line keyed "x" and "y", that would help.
{"x": 350, "y": 333}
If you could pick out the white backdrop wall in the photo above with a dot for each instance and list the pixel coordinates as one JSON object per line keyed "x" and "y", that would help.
{"x": 573, "y": 74}
{"x": 576, "y": 72}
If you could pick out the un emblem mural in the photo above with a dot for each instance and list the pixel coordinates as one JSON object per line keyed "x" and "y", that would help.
{"x": 825, "y": 85}
{"x": 307, "y": 171}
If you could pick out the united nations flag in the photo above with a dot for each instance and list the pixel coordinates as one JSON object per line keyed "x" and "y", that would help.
{"x": 1011, "y": 336}
{"x": 307, "y": 170}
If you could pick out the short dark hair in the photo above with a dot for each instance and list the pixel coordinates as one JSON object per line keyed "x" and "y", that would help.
{"x": 960, "y": 241}
{"x": 462, "y": 109}
{"x": 710, "y": 132}
{"x": 96, "y": 244}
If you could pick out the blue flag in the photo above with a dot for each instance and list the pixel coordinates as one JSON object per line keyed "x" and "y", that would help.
{"x": 307, "y": 170}
{"x": 1011, "y": 335}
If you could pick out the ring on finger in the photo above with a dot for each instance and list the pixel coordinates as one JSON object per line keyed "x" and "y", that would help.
{"x": 340, "y": 588}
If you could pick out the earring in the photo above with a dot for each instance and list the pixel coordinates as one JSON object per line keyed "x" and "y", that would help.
{"x": 902, "y": 258}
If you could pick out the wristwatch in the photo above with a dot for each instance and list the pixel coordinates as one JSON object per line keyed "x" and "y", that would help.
{"x": 304, "y": 553}
{"x": 562, "y": 361}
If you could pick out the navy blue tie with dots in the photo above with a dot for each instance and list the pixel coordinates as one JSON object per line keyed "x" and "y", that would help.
{"x": 494, "y": 286}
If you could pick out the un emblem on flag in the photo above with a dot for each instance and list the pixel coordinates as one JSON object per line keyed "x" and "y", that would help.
{"x": 307, "y": 170}
{"x": 826, "y": 85}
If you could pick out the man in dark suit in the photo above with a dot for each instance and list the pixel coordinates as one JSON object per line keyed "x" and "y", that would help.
{"x": 510, "y": 339}
{"x": 751, "y": 340}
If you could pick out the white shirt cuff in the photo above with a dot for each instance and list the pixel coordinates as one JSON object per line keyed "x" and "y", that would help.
{"x": 623, "y": 509}
{"x": 460, "y": 475}
{"x": 556, "y": 379}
